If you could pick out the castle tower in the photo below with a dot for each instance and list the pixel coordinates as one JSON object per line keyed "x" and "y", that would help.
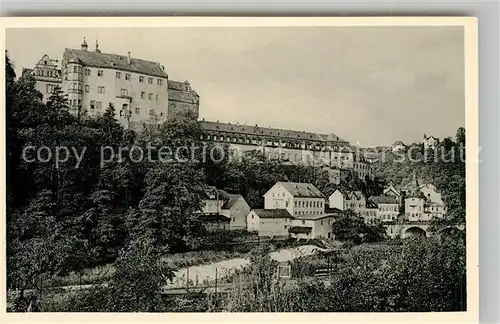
{"x": 84, "y": 45}
{"x": 73, "y": 85}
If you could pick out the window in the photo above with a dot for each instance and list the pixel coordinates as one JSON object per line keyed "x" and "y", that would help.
{"x": 87, "y": 88}
{"x": 143, "y": 95}
{"x": 141, "y": 78}
{"x": 321, "y": 223}
{"x": 118, "y": 75}
{"x": 150, "y": 80}
{"x": 137, "y": 110}
{"x": 100, "y": 73}
{"x": 252, "y": 216}
{"x": 156, "y": 98}
{"x": 87, "y": 72}
{"x": 75, "y": 68}
{"x": 124, "y": 92}
{"x": 150, "y": 96}
{"x": 303, "y": 222}
{"x": 79, "y": 86}
{"x": 127, "y": 76}
{"x": 100, "y": 89}
{"x": 50, "y": 88}
{"x": 92, "y": 104}
{"x": 151, "y": 112}
{"x": 99, "y": 105}
{"x": 160, "y": 82}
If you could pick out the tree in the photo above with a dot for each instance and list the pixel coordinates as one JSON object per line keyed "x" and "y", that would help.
{"x": 351, "y": 227}
{"x": 140, "y": 275}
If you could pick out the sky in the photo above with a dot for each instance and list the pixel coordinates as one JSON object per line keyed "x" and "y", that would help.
{"x": 368, "y": 85}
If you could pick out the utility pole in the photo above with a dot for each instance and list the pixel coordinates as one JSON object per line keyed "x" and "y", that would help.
{"x": 216, "y": 289}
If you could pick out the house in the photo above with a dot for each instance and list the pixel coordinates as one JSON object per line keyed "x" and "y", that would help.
{"x": 398, "y": 146}
{"x": 387, "y": 207}
{"x": 314, "y": 226}
{"x": 236, "y": 209}
{"x": 355, "y": 201}
{"x": 336, "y": 200}
{"x": 370, "y": 215}
{"x": 391, "y": 191}
{"x": 269, "y": 222}
{"x": 422, "y": 202}
{"x": 216, "y": 202}
{"x": 352, "y": 200}
{"x": 299, "y": 199}
{"x": 430, "y": 142}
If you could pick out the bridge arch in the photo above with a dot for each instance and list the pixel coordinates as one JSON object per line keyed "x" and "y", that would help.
{"x": 415, "y": 231}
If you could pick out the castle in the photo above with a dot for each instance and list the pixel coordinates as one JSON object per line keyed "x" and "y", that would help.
{"x": 141, "y": 91}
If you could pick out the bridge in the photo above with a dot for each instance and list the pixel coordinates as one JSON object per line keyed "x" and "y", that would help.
{"x": 419, "y": 229}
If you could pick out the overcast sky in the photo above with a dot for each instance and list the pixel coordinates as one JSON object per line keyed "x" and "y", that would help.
{"x": 369, "y": 85}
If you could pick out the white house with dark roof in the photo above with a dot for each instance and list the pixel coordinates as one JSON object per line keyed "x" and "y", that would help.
{"x": 300, "y": 199}
{"x": 273, "y": 223}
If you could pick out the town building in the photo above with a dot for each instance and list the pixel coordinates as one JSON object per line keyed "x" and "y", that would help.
{"x": 398, "y": 146}
{"x": 430, "y": 142}
{"x": 139, "y": 89}
{"x": 293, "y": 147}
{"x": 47, "y": 75}
{"x": 387, "y": 208}
{"x": 222, "y": 210}
{"x": 273, "y": 223}
{"x": 371, "y": 213}
{"x": 422, "y": 202}
{"x": 299, "y": 199}
{"x": 314, "y": 226}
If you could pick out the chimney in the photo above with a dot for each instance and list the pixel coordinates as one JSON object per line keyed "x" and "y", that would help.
{"x": 128, "y": 58}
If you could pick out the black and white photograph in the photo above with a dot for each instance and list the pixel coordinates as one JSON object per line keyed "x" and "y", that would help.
{"x": 242, "y": 169}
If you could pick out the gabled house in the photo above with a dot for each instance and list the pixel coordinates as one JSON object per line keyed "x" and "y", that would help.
{"x": 299, "y": 199}
{"x": 219, "y": 207}
{"x": 236, "y": 209}
{"x": 273, "y": 223}
{"x": 387, "y": 207}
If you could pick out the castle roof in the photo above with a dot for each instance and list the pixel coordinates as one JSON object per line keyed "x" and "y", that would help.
{"x": 115, "y": 61}
{"x": 271, "y": 132}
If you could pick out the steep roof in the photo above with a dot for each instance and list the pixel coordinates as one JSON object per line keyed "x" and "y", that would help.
{"x": 302, "y": 190}
{"x": 273, "y": 213}
{"x": 115, "y": 61}
{"x": 383, "y": 200}
{"x": 398, "y": 143}
{"x": 232, "y": 199}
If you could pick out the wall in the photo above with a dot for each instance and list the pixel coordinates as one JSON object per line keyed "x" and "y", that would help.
{"x": 388, "y": 212}
{"x": 279, "y": 198}
{"x": 238, "y": 212}
{"x": 308, "y": 206}
{"x": 274, "y": 226}
{"x": 211, "y": 205}
{"x": 252, "y": 222}
{"x": 336, "y": 200}
{"x": 414, "y": 208}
